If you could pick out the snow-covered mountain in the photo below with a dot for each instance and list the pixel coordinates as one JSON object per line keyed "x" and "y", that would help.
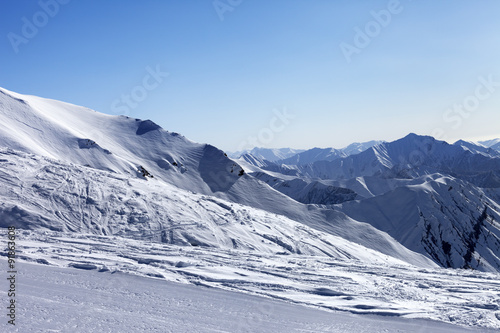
{"x": 307, "y": 191}
{"x": 477, "y": 148}
{"x": 327, "y": 154}
{"x": 97, "y": 159}
{"x": 456, "y": 223}
{"x": 358, "y": 147}
{"x": 494, "y": 143}
{"x": 409, "y": 157}
{"x": 40, "y": 193}
{"x": 363, "y": 233}
{"x": 313, "y": 155}
{"x": 114, "y": 143}
{"x": 270, "y": 154}
{"x": 406, "y": 189}
{"x": 137, "y": 149}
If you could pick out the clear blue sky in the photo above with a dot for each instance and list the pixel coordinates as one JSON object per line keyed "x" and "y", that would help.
{"x": 227, "y": 78}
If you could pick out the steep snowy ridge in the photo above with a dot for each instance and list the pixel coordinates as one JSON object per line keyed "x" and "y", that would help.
{"x": 254, "y": 160}
{"x": 451, "y": 220}
{"x": 115, "y": 143}
{"x": 383, "y": 156}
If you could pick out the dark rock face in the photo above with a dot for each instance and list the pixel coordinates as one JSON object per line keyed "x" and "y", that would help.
{"x": 146, "y": 126}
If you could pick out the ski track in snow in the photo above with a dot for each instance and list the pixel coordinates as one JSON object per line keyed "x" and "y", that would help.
{"x": 53, "y": 299}
{"x": 461, "y": 297}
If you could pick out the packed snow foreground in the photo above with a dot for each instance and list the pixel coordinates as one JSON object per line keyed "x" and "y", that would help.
{"x": 123, "y": 226}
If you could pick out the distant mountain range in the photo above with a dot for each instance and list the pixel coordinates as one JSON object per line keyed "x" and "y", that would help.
{"x": 300, "y": 156}
{"x": 495, "y": 144}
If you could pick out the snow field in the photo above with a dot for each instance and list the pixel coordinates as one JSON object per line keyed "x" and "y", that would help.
{"x": 461, "y": 297}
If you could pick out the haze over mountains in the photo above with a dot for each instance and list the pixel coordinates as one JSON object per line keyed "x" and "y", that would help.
{"x": 269, "y": 154}
{"x": 414, "y": 201}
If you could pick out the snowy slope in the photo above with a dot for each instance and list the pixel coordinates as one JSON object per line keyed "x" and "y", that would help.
{"x": 134, "y": 149}
{"x": 115, "y": 143}
{"x": 393, "y": 291}
{"x": 451, "y": 220}
{"x": 307, "y": 191}
{"x": 41, "y": 194}
{"x": 61, "y": 299}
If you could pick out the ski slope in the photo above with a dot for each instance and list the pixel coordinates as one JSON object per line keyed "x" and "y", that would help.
{"x": 68, "y": 300}
{"x": 153, "y": 286}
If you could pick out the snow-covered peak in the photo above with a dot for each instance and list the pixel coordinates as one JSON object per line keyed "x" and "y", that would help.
{"x": 493, "y": 144}
{"x": 358, "y": 147}
{"x": 119, "y": 144}
{"x": 490, "y": 143}
{"x": 269, "y": 154}
{"x": 328, "y": 154}
{"x": 313, "y": 155}
{"x": 477, "y": 148}
{"x": 410, "y": 157}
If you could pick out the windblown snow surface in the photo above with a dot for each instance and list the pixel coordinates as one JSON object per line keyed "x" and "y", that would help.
{"x": 82, "y": 299}
{"x": 125, "y": 227}
{"x": 116, "y": 284}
